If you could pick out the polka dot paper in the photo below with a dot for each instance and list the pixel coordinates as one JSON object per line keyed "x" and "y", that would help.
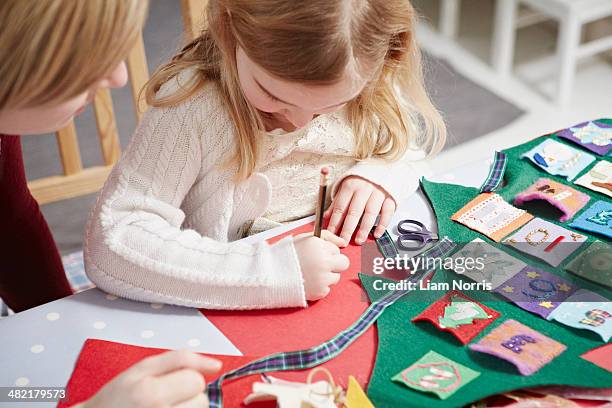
{"x": 522, "y": 346}
{"x": 490, "y": 215}
{"x": 559, "y": 159}
{"x": 436, "y": 374}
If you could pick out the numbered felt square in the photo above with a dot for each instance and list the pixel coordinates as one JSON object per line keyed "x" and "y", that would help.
{"x": 599, "y": 178}
{"x": 436, "y": 374}
{"x": 522, "y": 346}
{"x": 459, "y": 315}
{"x": 490, "y": 215}
{"x": 536, "y": 290}
{"x": 597, "y": 218}
{"x": 546, "y": 241}
{"x": 594, "y": 135}
{"x": 560, "y": 196}
{"x": 497, "y": 265}
{"x": 586, "y": 310}
{"x": 559, "y": 159}
{"x": 594, "y": 263}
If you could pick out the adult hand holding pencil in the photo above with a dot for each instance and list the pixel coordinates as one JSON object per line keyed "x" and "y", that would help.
{"x": 319, "y": 252}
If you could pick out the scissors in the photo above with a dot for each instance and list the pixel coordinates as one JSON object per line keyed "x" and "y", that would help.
{"x": 413, "y": 235}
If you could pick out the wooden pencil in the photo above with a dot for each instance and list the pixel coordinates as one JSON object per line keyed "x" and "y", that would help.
{"x": 321, "y": 202}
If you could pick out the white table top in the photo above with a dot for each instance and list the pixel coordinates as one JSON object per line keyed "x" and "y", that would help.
{"x": 40, "y": 346}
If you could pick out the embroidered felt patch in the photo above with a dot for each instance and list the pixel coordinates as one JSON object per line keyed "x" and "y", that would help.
{"x": 563, "y": 197}
{"x": 595, "y": 136}
{"x": 559, "y": 159}
{"x": 597, "y": 218}
{"x": 594, "y": 263}
{"x": 436, "y": 374}
{"x": 458, "y": 314}
{"x": 490, "y": 215}
{"x": 524, "y": 347}
{"x": 586, "y": 310}
{"x": 497, "y": 265}
{"x": 546, "y": 241}
{"x": 600, "y": 356}
{"x": 536, "y": 290}
{"x": 599, "y": 178}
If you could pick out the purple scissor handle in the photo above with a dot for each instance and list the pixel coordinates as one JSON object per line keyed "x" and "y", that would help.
{"x": 413, "y": 235}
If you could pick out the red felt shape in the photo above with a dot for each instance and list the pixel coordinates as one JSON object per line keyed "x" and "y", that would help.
{"x": 100, "y": 361}
{"x": 600, "y": 356}
{"x": 263, "y": 332}
{"x": 464, "y": 333}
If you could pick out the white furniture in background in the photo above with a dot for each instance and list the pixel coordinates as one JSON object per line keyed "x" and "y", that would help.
{"x": 572, "y": 16}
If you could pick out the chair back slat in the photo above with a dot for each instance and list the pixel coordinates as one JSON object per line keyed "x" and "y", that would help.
{"x": 139, "y": 75}
{"x": 107, "y": 127}
{"x": 69, "y": 149}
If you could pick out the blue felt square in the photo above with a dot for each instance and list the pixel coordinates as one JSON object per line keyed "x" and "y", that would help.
{"x": 597, "y": 218}
{"x": 559, "y": 159}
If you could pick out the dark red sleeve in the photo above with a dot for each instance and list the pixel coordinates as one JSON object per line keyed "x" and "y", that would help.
{"x": 31, "y": 270}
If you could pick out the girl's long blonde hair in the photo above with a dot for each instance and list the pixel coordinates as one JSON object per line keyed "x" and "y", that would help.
{"x": 54, "y": 50}
{"x": 313, "y": 42}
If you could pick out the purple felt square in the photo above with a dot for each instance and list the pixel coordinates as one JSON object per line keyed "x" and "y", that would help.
{"x": 595, "y": 136}
{"x": 536, "y": 290}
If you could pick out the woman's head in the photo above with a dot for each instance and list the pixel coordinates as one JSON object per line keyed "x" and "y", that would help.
{"x": 55, "y": 54}
{"x": 291, "y": 61}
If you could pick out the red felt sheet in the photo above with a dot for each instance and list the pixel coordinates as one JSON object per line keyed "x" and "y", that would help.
{"x": 100, "y": 361}
{"x": 263, "y": 332}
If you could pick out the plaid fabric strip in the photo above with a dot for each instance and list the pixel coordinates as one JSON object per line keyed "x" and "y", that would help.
{"x": 302, "y": 359}
{"x": 386, "y": 246}
{"x": 496, "y": 173}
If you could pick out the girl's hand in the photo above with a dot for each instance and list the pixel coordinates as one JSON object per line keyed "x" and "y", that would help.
{"x": 320, "y": 261}
{"x": 357, "y": 198}
{"x": 171, "y": 379}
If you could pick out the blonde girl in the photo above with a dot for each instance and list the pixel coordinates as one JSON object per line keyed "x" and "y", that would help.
{"x": 54, "y": 56}
{"x": 243, "y": 118}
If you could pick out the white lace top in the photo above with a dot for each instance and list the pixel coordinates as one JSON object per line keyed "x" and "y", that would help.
{"x": 165, "y": 224}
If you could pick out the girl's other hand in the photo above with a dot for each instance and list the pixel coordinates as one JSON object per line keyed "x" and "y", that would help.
{"x": 320, "y": 261}
{"x": 356, "y": 199}
{"x": 171, "y": 379}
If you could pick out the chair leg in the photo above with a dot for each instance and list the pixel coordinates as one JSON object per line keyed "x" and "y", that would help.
{"x": 449, "y": 18}
{"x": 567, "y": 46}
{"x": 504, "y": 34}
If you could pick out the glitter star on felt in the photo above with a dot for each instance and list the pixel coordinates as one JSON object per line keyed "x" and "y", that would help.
{"x": 547, "y": 305}
{"x": 532, "y": 275}
{"x": 564, "y": 287}
{"x": 508, "y": 289}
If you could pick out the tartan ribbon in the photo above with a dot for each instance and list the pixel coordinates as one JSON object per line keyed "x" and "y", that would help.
{"x": 302, "y": 359}
{"x": 386, "y": 246}
{"x": 496, "y": 173}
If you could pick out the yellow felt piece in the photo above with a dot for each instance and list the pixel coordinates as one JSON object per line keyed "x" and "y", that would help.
{"x": 355, "y": 396}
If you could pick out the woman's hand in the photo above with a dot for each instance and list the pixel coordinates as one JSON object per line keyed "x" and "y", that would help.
{"x": 356, "y": 199}
{"x": 172, "y": 379}
{"x": 320, "y": 262}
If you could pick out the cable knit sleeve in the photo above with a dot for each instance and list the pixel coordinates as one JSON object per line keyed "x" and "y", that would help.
{"x": 398, "y": 178}
{"x": 135, "y": 246}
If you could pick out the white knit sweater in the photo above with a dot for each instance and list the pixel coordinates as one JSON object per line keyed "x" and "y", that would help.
{"x": 162, "y": 227}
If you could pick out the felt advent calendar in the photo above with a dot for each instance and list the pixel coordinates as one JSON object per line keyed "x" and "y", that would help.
{"x": 545, "y": 231}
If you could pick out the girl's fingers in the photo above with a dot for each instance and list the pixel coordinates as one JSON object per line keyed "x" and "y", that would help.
{"x": 333, "y": 238}
{"x": 199, "y": 401}
{"x": 339, "y": 263}
{"x": 174, "y": 360}
{"x": 338, "y": 209}
{"x": 386, "y": 213}
{"x": 178, "y": 386}
{"x": 333, "y": 279}
{"x": 368, "y": 219}
{"x": 355, "y": 210}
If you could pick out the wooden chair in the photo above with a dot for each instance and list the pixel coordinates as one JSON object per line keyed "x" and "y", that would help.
{"x": 76, "y": 180}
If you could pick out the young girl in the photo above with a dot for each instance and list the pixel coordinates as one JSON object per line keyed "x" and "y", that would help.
{"x": 243, "y": 119}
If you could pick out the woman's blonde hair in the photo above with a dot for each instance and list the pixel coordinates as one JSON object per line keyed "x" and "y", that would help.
{"x": 54, "y": 50}
{"x": 313, "y": 42}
